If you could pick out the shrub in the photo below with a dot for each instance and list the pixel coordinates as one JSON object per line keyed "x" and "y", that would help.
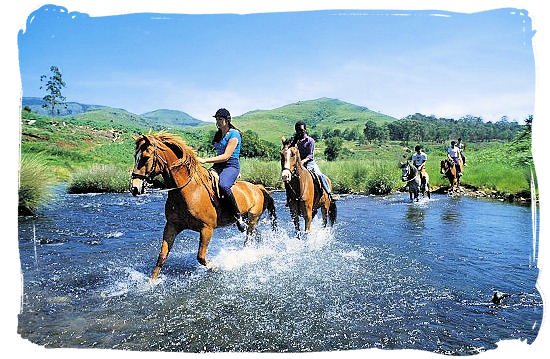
{"x": 35, "y": 180}
{"x": 99, "y": 178}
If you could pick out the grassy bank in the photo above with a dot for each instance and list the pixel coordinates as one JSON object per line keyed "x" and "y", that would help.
{"x": 34, "y": 184}
{"x": 98, "y": 179}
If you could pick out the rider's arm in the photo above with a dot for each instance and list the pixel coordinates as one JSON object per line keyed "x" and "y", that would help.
{"x": 310, "y": 148}
{"x": 231, "y": 145}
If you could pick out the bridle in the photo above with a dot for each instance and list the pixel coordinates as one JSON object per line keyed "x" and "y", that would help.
{"x": 294, "y": 174}
{"x": 148, "y": 177}
{"x": 409, "y": 172}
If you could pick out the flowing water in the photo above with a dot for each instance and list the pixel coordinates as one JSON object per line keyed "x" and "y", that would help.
{"x": 391, "y": 274}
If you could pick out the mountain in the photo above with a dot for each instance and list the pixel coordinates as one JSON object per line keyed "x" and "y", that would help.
{"x": 73, "y": 108}
{"x": 108, "y": 117}
{"x": 172, "y": 119}
{"x": 319, "y": 114}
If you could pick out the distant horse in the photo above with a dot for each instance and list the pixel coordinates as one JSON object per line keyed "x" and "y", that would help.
{"x": 304, "y": 192}
{"x": 411, "y": 175}
{"x": 192, "y": 202}
{"x": 450, "y": 170}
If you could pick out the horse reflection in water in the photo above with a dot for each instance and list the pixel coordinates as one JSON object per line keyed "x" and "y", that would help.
{"x": 192, "y": 202}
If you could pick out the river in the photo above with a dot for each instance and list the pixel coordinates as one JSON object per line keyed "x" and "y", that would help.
{"x": 391, "y": 274}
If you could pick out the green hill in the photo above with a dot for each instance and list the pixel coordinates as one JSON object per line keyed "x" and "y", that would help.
{"x": 318, "y": 114}
{"x": 108, "y": 117}
{"x": 172, "y": 119}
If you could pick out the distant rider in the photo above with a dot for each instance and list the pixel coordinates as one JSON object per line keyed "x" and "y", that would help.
{"x": 419, "y": 159}
{"x": 306, "y": 147}
{"x": 452, "y": 153}
{"x": 460, "y": 146}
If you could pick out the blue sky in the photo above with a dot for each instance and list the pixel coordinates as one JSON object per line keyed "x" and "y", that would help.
{"x": 396, "y": 62}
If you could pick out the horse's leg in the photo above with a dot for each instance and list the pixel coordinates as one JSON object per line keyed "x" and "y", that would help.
{"x": 324, "y": 211}
{"x": 205, "y": 236}
{"x": 295, "y": 215}
{"x": 168, "y": 236}
{"x": 307, "y": 212}
{"x": 251, "y": 229}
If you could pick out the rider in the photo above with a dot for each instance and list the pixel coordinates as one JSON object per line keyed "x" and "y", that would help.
{"x": 452, "y": 154}
{"x": 460, "y": 146}
{"x": 419, "y": 159}
{"x": 227, "y": 142}
{"x": 306, "y": 147}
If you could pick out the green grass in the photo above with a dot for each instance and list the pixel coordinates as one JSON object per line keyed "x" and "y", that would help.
{"x": 267, "y": 173}
{"x": 35, "y": 180}
{"x": 98, "y": 179}
{"x": 70, "y": 147}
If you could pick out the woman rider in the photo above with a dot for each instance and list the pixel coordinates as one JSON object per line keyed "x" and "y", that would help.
{"x": 227, "y": 142}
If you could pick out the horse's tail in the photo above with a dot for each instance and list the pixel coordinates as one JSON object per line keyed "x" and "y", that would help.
{"x": 332, "y": 212}
{"x": 269, "y": 204}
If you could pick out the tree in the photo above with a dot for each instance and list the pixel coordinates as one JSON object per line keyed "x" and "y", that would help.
{"x": 53, "y": 87}
{"x": 333, "y": 149}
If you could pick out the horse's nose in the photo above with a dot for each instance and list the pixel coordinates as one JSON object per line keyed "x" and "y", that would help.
{"x": 134, "y": 191}
{"x": 285, "y": 175}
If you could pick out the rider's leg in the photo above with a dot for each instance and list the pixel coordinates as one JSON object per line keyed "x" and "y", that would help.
{"x": 312, "y": 166}
{"x": 227, "y": 177}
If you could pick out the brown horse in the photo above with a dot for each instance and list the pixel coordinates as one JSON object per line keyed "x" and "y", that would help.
{"x": 192, "y": 203}
{"x": 304, "y": 192}
{"x": 449, "y": 170}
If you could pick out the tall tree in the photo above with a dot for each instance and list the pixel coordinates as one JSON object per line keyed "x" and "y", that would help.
{"x": 53, "y": 85}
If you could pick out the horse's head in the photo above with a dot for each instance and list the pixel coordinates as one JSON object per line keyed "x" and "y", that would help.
{"x": 444, "y": 167}
{"x": 146, "y": 165}
{"x": 405, "y": 170}
{"x": 290, "y": 160}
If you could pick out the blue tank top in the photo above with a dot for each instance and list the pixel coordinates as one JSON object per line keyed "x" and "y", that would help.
{"x": 220, "y": 146}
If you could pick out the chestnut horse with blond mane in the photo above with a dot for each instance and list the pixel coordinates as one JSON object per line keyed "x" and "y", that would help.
{"x": 304, "y": 192}
{"x": 192, "y": 202}
{"x": 450, "y": 170}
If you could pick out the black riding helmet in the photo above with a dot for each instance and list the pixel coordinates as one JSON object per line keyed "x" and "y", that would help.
{"x": 417, "y": 148}
{"x": 222, "y": 112}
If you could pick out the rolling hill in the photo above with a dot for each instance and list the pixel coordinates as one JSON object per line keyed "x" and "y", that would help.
{"x": 318, "y": 114}
{"x": 172, "y": 119}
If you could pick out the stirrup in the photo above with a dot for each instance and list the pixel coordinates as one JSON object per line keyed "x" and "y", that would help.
{"x": 333, "y": 197}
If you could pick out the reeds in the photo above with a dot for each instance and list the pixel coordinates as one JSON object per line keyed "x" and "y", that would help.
{"x": 99, "y": 179}
{"x": 35, "y": 180}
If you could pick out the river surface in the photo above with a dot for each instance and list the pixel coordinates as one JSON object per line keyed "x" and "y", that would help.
{"x": 391, "y": 274}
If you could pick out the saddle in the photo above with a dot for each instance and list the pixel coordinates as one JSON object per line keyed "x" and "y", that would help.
{"x": 214, "y": 190}
{"x": 317, "y": 185}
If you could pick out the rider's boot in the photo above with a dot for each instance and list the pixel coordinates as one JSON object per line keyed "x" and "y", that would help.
{"x": 241, "y": 225}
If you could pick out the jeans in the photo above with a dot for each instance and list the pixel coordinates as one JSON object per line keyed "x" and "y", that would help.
{"x": 312, "y": 166}
{"x": 228, "y": 172}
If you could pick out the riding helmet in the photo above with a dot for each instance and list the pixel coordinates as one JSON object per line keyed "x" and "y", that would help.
{"x": 222, "y": 112}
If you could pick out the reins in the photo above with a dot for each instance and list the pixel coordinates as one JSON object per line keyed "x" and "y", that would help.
{"x": 148, "y": 177}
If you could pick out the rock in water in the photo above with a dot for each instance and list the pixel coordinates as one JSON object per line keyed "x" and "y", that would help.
{"x": 499, "y": 296}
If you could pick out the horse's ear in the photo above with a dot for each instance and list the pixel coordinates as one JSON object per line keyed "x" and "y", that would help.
{"x": 283, "y": 140}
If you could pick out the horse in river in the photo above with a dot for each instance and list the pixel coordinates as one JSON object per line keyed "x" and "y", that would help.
{"x": 192, "y": 201}
{"x": 304, "y": 192}
{"x": 450, "y": 170}
{"x": 415, "y": 182}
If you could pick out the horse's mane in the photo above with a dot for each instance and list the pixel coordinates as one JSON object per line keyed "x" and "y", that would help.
{"x": 187, "y": 157}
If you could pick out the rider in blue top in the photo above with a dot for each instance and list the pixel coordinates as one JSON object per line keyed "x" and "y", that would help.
{"x": 227, "y": 142}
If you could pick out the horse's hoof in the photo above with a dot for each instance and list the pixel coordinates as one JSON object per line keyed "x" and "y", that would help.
{"x": 153, "y": 281}
{"x": 212, "y": 267}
